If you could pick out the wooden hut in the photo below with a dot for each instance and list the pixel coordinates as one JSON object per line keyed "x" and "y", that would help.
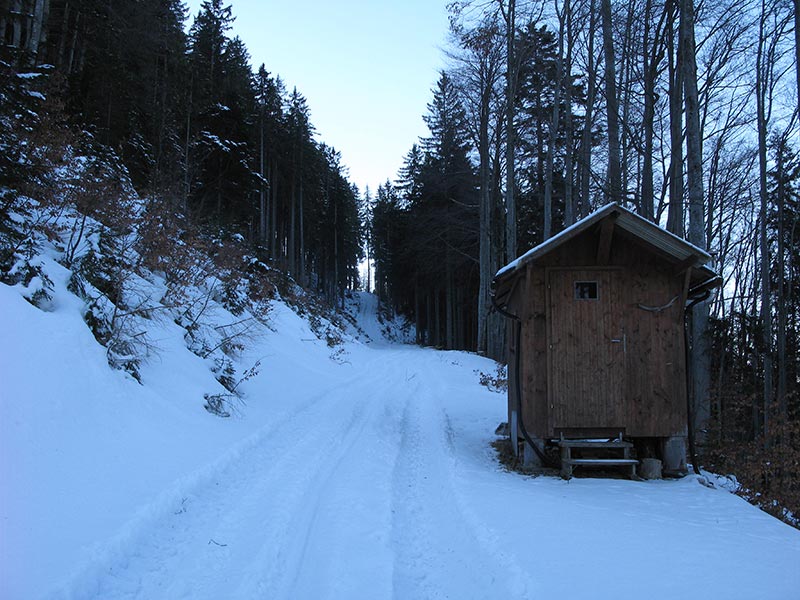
{"x": 597, "y": 344}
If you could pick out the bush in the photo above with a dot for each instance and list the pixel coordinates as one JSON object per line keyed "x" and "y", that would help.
{"x": 767, "y": 469}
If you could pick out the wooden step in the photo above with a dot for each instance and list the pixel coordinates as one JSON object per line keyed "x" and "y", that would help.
{"x": 592, "y": 447}
{"x": 594, "y": 444}
{"x": 601, "y": 461}
{"x": 568, "y": 463}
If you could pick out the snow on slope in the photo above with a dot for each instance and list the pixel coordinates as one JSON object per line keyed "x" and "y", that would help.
{"x": 368, "y": 477}
{"x": 372, "y": 324}
{"x": 84, "y": 447}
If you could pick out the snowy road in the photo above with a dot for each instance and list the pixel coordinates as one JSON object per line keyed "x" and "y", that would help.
{"x": 384, "y": 486}
{"x": 351, "y": 496}
{"x": 370, "y": 476}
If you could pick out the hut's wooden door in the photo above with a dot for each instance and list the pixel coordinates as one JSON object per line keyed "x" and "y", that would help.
{"x": 586, "y": 351}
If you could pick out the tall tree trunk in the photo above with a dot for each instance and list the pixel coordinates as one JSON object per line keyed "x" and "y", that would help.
{"x": 694, "y": 149}
{"x": 336, "y": 283}
{"x": 650, "y": 62}
{"x": 449, "y": 285}
{"x": 369, "y": 270}
{"x": 44, "y": 36}
{"x": 429, "y": 339}
{"x": 302, "y": 257}
{"x": 262, "y": 193}
{"x": 485, "y": 200}
{"x": 797, "y": 48}
{"x": 512, "y": 67}
{"x": 614, "y": 176}
{"x": 291, "y": 251}
{"x": 762, "y": 118}
{"x": 37, "y": 32}
{"x": 273, "y": 229}
{"x": 701, "y": 351}
{"x": 437, "y": 322}
{"x": 496, "y": 322}
{"x": 450, "y": 326}
{"x": 417, "y": 313}
{"x": 625, "y": 77}
{"x": 586, "y": 139}
{"x": 675, "y": 213}
{"x": 60, "y": 58}
{"x": 569, "y": 134}
{"x": 219, "y": 200}
{"x": 268, "y": 207}
{"x": 187, "y": 180}
{"x": 780, "y": 300}
{"x": 553, "y": 128}
{"x": 755, "y": 357}
{"x": 73, "y": 43}
{"x": 540, "y": 152}
{"x": 15, "y": 9}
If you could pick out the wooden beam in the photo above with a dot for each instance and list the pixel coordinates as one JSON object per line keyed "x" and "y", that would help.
{"x": 510, "y": 296}
{"x": 606, "y": 234}
{"x": 687, "y": 278}
{"x": 686, "y": 263}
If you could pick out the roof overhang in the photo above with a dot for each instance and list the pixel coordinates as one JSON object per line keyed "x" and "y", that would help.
{"x": 678, "y": 251}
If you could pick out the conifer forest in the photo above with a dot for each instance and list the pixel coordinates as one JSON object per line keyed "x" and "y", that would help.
{"x": 686, "y": 113}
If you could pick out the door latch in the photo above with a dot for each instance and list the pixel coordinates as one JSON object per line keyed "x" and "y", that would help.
{"x": 623, "y": 340}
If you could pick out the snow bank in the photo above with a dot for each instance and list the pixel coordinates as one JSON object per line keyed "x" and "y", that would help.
{"x": 84, "y": 447}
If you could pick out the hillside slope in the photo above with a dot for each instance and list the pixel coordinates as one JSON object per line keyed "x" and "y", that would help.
{"x": 362, "y": 471}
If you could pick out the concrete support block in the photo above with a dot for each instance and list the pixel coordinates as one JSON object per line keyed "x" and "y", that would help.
{"x": 650, "y": 468}
{"x": 530, "y": 459}
{"x": 674, "y": 455}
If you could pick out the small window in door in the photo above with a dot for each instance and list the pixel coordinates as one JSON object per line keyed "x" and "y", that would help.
{"x": 585, "y": 290}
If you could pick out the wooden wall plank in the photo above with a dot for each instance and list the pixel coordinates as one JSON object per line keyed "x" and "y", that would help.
{"x": 587, "y": 367}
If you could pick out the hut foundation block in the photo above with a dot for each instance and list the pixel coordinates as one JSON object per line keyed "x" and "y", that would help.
{"x": 674, "y": 455}
{"x": 650, "y": 468}
{"x": 530, "y": 459}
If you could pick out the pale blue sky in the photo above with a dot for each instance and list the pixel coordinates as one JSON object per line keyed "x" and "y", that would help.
{"x": 366, "y": 67}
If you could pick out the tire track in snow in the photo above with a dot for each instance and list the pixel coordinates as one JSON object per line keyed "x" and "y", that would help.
{"x": 353, "y": 495}
{"x": 335, "y": 547}
{"x": 516, "y": 579}
{"x": 438, "y": 554}
{"x": 340, "y": 547}
{"x": 186, "y": 551}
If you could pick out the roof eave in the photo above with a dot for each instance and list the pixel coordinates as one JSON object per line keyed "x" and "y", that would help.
{"x": 651, "y": 234}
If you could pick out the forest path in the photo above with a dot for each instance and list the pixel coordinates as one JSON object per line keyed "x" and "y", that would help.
{"x": 353, "y": 495}
{"x": 384, "y": 485}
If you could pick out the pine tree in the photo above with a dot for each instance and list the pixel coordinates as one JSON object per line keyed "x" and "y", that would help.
{"x": 438, "y": 248}
{"x": 301, "y": 145}
{"x": 223, "y": 179}
{"x": 409, "y": 180}
{"x": 543, "y": 148}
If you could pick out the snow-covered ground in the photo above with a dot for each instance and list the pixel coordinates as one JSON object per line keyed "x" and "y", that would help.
{"x": 362, "y": 474}
{"x": 371, "y": 325}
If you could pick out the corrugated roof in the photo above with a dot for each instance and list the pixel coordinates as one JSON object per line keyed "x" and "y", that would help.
{"x": 650, "y": 233}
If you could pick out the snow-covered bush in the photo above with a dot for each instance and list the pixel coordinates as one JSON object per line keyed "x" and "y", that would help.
{"x": 31, "y": 275}
{"x": 497, "y": 381}
{"x": 118, "y": 302}
{"x": 222, "y": 404}
{"x": 131, "y": 259}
